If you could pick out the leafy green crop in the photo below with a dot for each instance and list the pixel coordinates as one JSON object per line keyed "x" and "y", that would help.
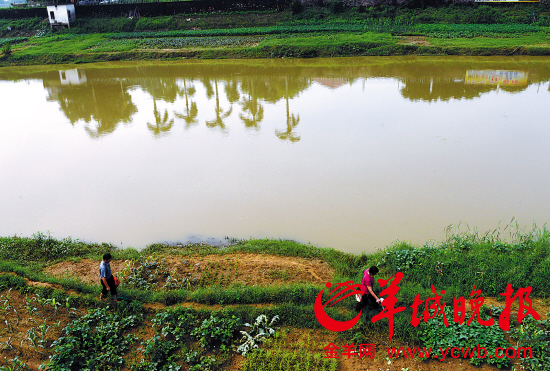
{"x": 158, "y": 356}
{"x": 408, "y": 258}
{"x": 13, "y": 365}
{"x": 174, "y": 325}
{"x": 95, "y": 341}
{"x": 435, "y": 335}
{"x": 200, "y": 363}
{"x": 388, "y": 25}
{"x": 145, "y": 275}
{"x": 209, "y": 42}
{"x": 216, "y": 330}
{"x": 282, "y": 29}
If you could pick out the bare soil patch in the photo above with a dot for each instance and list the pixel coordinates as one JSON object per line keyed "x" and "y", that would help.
{"x": 23, "y": 320}
{"x": 85, "y": 270}
{"x": 413, "y": 40}
{"x": 246, "y": 269}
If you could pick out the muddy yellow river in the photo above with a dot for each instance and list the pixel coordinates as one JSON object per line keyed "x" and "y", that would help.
{"x": 350, "y": 153}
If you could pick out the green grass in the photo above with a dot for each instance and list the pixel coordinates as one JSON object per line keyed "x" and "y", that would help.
{"x": 465, "y": 259}
{"x": 104, "y": 47}
{"x": 318, "y": 32}
{"x": 23, "y": 24}
{"x": 280, "y": 353}
{"x": 477, "y": 30}
{"x": 272, "y": 30}
{"x": 13, "y": 40}
{"x": 283, "y": 360}
{"x": 458, "y": 264}
{"x": 487, "y": 42}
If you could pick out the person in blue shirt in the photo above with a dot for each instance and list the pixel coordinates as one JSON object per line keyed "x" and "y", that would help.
{"x": 107, "y": 278}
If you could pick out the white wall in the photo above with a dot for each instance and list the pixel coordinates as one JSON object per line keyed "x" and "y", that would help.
{"x": 62, "y": 14}
{"x": 72, "y": 77}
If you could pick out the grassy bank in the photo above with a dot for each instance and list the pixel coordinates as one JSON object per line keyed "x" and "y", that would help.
{"x": 319, "y": 32}
{"x": 185, "y": 305}
{"x": 101, "y": 47}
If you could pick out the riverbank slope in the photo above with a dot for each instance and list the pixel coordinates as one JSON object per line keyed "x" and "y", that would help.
{"x": 319, "y": 33}
{"x": 197, "y": 307}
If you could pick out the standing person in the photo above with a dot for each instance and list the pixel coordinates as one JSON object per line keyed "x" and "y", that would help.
{"x": 369, "y": 298}
{"x": 107, "y": 278}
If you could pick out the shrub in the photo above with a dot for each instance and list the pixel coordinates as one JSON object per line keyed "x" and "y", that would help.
{"x": 544, "y": 21}
{"x": 297, "y": 7}
{"x": 336, "y": 6}
{"x": 216, "y": 330}
{"x": 9, "y": 280}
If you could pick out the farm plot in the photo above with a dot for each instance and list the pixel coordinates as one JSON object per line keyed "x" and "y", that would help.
{"x": 191, "y": 272}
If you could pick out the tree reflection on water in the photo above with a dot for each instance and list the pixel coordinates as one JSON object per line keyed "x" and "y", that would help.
{"x": 190, "y": 115}
{"x": 220, "y": 113}
{"x": 102, "y": 97}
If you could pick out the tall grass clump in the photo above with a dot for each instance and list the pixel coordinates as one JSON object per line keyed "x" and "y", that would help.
{"x": 296, "y": 294}
{"x": 22, "y": 24}
{"x": 6, "y": 50}
{"x": 155, "y": 23}
{"x": 380, "y": 25}
{"x": 42, "y": 247}
{"x": 468, "y": 259}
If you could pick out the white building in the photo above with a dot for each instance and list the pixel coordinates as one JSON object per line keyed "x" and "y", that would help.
{"x": 72, "y": 77}
{"x": 61, "y": 15}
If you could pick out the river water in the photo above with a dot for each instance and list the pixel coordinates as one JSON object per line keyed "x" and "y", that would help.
{"x": 350, "y": 153}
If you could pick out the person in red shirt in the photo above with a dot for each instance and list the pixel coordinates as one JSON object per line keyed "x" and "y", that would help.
{"x": 369, "y": 297}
